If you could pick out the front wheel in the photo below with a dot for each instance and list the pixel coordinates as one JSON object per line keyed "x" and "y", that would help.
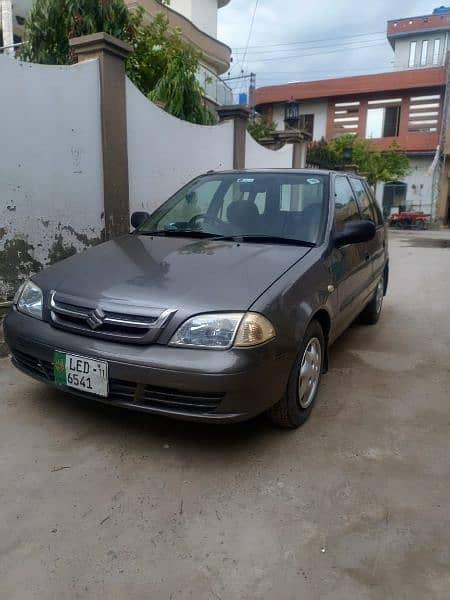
{"x": 371, "y": 314}
{"x": 303, "y": 386}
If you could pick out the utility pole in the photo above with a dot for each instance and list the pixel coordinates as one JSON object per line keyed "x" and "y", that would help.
{"x": 7, "y": 26}
{"x": 251, "y": 92}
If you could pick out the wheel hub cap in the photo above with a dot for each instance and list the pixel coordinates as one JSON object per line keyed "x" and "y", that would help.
{"x": 380, "y": 295}
{"x": 309, "y": 373}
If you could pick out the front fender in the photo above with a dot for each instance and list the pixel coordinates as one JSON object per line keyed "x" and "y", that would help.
{"x": 293, "y": 300}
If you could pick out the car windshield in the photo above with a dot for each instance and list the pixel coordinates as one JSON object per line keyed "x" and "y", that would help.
{"x": 283, "y": 206}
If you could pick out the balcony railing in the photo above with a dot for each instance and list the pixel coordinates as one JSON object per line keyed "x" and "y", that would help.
{"x": 215, "y": 89}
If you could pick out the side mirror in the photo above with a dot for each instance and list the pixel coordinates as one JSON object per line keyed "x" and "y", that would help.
{"x": 137, "y": 218}
{"x": 355, "y": 232}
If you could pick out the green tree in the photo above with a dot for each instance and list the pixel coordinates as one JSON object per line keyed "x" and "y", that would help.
{"x": 162, "y": 65}
{"x": 375, "y": 165}
{"x": 152, "y": 45}
{"x": 260, "y": 127}
{"x": 179, "y": 91}
{"x": 51, "y": 23}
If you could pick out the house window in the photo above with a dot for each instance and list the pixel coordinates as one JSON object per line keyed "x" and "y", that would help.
{"x": 424, "y": 113}
{"x": 306, "y": 122}
{"x": 412, "y": 54}
{"x": 383, "y": 122}
{"x": 424, "y": 53}
{"x": 436, "y": 51}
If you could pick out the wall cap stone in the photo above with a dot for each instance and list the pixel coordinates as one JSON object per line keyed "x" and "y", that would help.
{"x": 100, "y": 42}
{"x": 227, "y": 113}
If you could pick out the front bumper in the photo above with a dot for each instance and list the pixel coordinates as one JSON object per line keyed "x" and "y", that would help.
{"x": 197, "y": 385}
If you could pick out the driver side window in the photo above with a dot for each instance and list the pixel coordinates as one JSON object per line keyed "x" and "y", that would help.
{"x": 195, "y": 203}
{"x": 346, "y": 208}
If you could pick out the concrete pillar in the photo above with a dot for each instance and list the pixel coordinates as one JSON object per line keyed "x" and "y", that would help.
{"x": 299, "y": 155}
{"x": 111, "y": 54}
{"x": 299, "y": 140}
{"x": 443, "y": 200}
{"x": 240, "y": 115}
{"x": 442, "y": 208}
{"x": 7, "y": 26}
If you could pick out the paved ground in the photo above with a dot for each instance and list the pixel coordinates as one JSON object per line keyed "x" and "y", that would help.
{"x": 98, "y": 503}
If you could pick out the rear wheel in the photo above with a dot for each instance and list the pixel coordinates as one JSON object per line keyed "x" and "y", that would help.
{"x": 420, "y": 224}
{"x": 371, "y": 314}
{"x": 303, "y": 386}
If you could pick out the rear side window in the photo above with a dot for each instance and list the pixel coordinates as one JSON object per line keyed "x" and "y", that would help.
{"x": 346, "y": 208}
{"x": 364, "y": 200}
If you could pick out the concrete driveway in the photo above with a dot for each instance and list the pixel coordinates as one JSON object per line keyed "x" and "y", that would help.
{"x": 99, "y": 503}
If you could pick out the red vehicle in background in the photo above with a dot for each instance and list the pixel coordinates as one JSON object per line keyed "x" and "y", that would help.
{"x": 410, "y": 220}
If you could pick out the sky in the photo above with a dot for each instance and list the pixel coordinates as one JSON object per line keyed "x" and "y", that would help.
{"x": 296, "y": 40}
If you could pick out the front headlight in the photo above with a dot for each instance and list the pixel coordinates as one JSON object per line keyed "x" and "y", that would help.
{"x": 30, "y": 299}
{"x": 223, "y": 330}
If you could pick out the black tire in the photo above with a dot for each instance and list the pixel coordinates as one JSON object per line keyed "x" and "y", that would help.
{"x": 289, "y": 413}
{"x": 420, "y": 224}
{"x": 372, "y": 313}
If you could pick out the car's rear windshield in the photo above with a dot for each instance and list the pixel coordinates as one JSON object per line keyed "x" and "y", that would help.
{"x": 290, "y": 206}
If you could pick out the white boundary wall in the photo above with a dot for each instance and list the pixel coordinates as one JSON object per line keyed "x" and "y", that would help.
{"x": 258, "y": 157}
{"x": 51, "y": 187}
{"x": 165, "y": 153}
{"x": 51, "y": 163}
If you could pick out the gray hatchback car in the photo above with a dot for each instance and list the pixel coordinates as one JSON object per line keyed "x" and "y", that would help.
{"x": 219, "y": 306}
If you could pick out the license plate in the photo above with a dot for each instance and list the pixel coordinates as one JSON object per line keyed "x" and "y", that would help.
{"x": 84, "y": 374}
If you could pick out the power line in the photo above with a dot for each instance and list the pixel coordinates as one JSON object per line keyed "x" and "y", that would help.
{"x": 292, "y": 56}
{"x": 250, "y": 32}
{"x": 316, "y": 47}
{"x": 328, "y": 39}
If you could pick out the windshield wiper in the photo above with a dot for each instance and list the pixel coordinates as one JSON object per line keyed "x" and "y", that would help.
{"x": 273, "y": 239}
{"x": 257, "y": 238}
{"x": 180, "y": 233}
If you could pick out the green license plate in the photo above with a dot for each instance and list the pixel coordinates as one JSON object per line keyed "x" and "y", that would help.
{"x": 81, "y": 373}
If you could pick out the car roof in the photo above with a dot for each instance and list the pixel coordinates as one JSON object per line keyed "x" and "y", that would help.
{"x": 287, "y": 171}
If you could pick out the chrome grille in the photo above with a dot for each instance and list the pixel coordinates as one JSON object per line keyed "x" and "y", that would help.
{"x": 106, "y": 321}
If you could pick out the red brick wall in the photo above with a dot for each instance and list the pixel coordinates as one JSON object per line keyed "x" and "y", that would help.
{"x": 412, "y": 24}
{"x": 408, "y": 140}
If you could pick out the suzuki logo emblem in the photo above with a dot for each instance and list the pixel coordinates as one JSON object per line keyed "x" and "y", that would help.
{"x": 96, "y": 318}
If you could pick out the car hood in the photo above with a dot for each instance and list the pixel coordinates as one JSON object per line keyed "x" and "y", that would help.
{"x": 169, "y": 272}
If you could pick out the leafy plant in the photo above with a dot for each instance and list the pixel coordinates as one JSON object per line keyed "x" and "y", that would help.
{"x": 260, "y": 127}
{"x": 152, "y": 45}
{"x": 162, "y": 64}
{"x": 164, "y": 67}
{"x": 178, "y": 90}
{"x": 375, "y": 165}
{"x": 51, "y": 23}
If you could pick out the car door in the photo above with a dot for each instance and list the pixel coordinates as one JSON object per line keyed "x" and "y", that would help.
{"x": 381, "y": 252}
{"x": 350, "y": 264}
{"x": 376, "y": 246}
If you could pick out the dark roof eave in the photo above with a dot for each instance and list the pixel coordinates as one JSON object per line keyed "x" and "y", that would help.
{"x": 424, "y": 30}
{"x": 392, "y": 81}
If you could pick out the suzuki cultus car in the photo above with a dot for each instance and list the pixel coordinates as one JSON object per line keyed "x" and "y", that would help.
{"x": 220, "y": 305}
